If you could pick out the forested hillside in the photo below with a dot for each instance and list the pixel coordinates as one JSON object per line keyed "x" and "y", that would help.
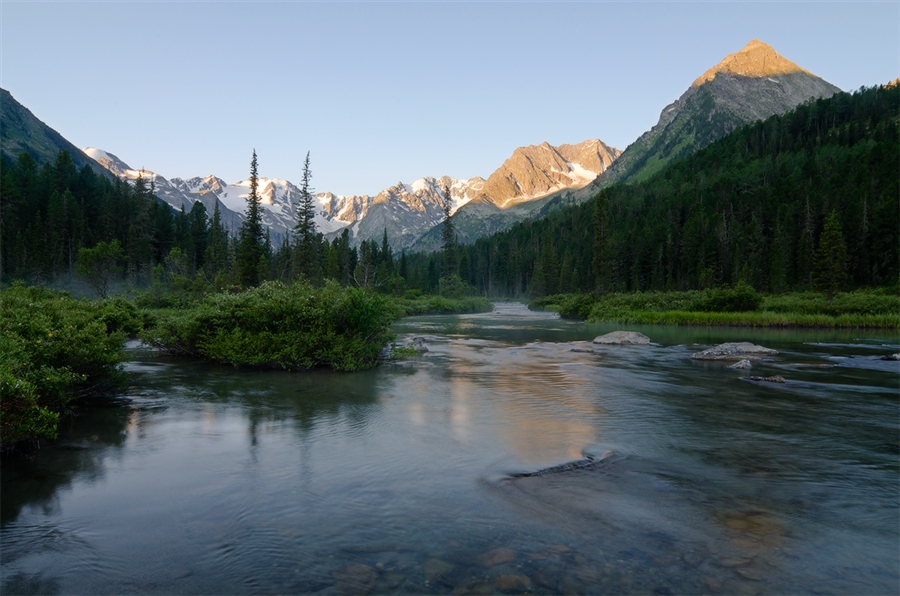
{"x": 750, "y": 207}
{"x": 50, "y": 212}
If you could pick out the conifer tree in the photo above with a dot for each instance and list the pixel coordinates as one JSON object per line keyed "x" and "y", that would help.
{"x": 250, "y": 247}
{"x": 448, "y": 238}
{"x": 599, "y": 265}
{"x": 831, "y": 258}
{"x": 306, "y": 238}
{"x": 216, "y": 256}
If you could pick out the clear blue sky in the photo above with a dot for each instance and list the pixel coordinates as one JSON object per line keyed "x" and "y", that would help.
{"x": 382, "y": 92}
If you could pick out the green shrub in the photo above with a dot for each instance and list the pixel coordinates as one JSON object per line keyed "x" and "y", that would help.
{"x": 577, "y": 306}
{"x": 439, "y": 305}
{"x": 283, "y": 326}
{"x": 53, "y": 350}
{"x": 741, "y": 298}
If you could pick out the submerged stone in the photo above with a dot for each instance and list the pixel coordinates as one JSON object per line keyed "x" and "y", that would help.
{"x": 742, "y": 350}
{"x": 772, "y": 379}
{"x": 742, "y": 364}
{"x": 495, "y": 557}
{"x": 356, "y": 579}
{"x": 623, "y": 338}
{"x": 512, "y": 582}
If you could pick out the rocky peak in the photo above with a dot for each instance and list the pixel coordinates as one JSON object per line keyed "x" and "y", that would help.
{"x": 538, "y": 170}
{"x": 756, "y": 59}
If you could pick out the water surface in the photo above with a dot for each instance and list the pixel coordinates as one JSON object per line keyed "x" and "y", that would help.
{"x": 207, "y": 479}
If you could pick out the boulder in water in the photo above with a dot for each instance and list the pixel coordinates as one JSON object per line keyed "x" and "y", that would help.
{"x": 891, "y": 357}
{"x": 742, "y": 350}
{"x": 742, "y": 364}
{"x": 623, "y": 338}
{"x": 773, "y": 379}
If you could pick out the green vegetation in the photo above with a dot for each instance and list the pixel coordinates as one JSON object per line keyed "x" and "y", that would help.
{"x": 738, "y": 306}
{"x": 54, "y": 350}
{"x": 413, "y": 303}
{"x": 293, "y": 327}
{"x": 752, "y": 207}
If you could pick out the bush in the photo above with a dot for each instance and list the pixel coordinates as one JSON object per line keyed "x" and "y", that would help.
{"x": 281, "y": 326}
{"x": 741, "y": 298}
{"x": 53, "y": 350}
{"x": 441, "y": 305}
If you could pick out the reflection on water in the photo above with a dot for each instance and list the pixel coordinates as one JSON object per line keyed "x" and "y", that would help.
{"x": 402, "y": 479}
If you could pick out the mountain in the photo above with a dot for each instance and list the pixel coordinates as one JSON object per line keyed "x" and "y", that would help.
{"x": 22, "y": 132}
{"x": 745, "y": 87}
{"x": 523, "y": 186}
{"x": 405, "y": 211}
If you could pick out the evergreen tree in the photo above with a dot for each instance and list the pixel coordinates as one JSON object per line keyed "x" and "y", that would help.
{"x": 599, "y": 266}
{"x": 306, "y": 238}
{"x": 199, "y": 232}
{"x": 448, "y": 238}
{"x": 216, "y": 255}
{"x": 831, "y": 258}
{"x": 251, "y": 241}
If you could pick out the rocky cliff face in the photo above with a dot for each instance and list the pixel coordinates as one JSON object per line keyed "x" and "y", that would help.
{"x": 538, "y": 170}
{"x": 746, "y": 86}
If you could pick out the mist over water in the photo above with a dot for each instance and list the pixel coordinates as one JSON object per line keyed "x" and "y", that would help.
{"x": 208, "y": 479}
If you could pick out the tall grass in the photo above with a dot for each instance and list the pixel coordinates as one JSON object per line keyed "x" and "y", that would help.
{"x": 738, "y": 306}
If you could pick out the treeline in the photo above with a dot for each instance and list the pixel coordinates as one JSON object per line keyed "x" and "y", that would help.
{"x": 50, "y": 212}
{"x": 57, "y": 221}
{"x": 752, "y": 207}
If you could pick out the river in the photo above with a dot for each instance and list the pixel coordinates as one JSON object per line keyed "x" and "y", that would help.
{"x": 417, "y": 477}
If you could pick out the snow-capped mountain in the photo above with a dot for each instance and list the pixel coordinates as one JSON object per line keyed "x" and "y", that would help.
{"x": 169, "y": 191}
{"x": 405, "y": 211}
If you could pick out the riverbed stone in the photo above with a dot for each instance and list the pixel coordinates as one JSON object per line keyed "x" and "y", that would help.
{"x": 479, "y": 588}
{"x": 436, "y": 569}
{"x": 742, "y": 364}
{"x": 742, "y": 350}
{"x": 891, "y": 357}
{"x": 495, "y": 557}
{"x": 510, "y": 583}
{"x": 356, "y": 579}
{"x": 623, "y": 338}
{"x": 772, "y": 379}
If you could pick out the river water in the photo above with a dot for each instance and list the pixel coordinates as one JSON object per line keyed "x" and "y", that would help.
{"x": 417, "y": 477}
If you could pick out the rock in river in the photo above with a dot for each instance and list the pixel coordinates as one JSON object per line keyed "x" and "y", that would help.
{"x": 774, "y": 379}
{"x": 623, "y": 338}
{"x": 742, "y": 350}
{"x": 742, "y": 364}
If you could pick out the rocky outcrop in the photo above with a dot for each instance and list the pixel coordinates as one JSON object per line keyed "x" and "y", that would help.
{"x": 734, "y": 351}
{"x": 623, "y": 338}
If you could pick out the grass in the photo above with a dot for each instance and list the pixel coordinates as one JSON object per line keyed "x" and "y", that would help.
{"x": 736, "y": 307}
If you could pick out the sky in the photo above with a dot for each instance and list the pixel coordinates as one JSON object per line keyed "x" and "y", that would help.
{"x": 384, "y": 92}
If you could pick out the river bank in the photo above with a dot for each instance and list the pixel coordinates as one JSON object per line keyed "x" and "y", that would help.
{"x": 738, "y": 307}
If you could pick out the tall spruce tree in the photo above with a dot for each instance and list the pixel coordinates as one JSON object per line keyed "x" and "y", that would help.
{"x": 251, "y": 242}
{"x": 831, "y": 258}
{"x": 448, "y": 238}
{"x": 216, "y": 257}
{"x": 306, "y": 238}
{"x": 599, "y": 265}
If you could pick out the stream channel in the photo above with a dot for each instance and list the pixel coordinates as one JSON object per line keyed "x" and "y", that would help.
{"x": 418, "y": 477}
